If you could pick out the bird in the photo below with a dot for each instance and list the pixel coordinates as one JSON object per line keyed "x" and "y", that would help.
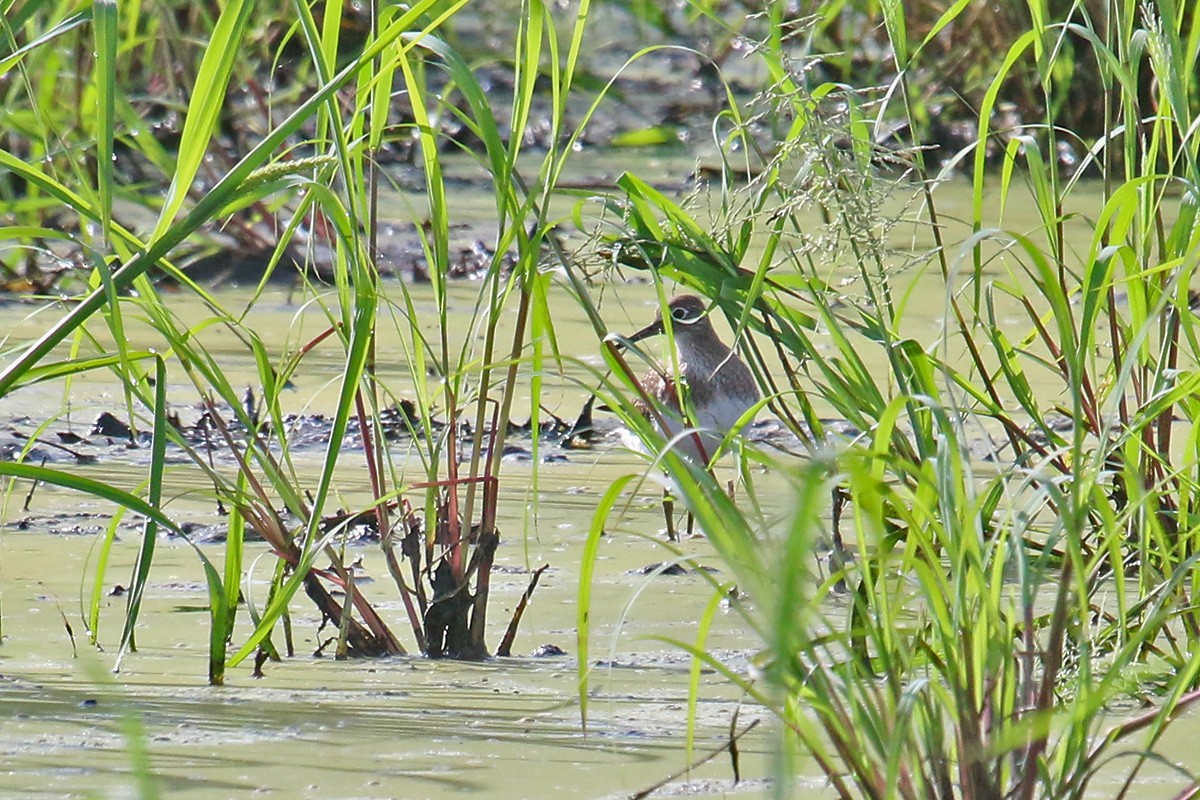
{"x": 720, "y": 388}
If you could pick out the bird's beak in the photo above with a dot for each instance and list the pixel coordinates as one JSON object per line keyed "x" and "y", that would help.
{"x": 653, "y": 329}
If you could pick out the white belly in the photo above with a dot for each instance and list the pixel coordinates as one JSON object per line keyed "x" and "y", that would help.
{"x": 713, "y": 421}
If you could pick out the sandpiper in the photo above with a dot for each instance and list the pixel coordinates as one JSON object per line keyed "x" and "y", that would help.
{"x": 720, "y": 387}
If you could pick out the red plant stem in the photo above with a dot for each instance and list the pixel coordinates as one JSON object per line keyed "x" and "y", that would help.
{"x": 341, "y": 652}
{"x": 488, "y": 537}
{"x": 730, "y": 746}
{"x": 1089, "y": 404}
{"x": 275, "y": 533}
{"x": 453, "y": 524}
{"x": 510, "y": 635}
{"x": 372, "y": 457}
{"x": 370, "y": 616}
{"x": 320, "y": 337}
{"x": 486, "y": 549}
{"x": 1051, "y": 662}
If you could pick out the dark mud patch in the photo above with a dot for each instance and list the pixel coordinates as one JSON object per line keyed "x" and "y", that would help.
{"x": 673, "y": 570}
{"x": 66, "y": 523}
{"x": 548, "y": 651}
{"x": 109, "y": 439}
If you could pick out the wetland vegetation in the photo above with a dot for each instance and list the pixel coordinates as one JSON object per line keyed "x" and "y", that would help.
{"x": 351, "y": 278}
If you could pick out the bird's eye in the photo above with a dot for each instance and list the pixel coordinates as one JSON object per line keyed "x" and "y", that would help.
{"x": 680, "y": 314}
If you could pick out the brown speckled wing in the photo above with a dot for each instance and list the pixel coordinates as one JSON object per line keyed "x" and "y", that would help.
{"x": 658, "y": 385}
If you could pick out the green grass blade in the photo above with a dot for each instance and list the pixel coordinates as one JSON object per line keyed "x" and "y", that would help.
{"x": 67, "y": 25}
{"x": 204, "y": 109}
{"x": 145, "y": 557}
{"x": 104, "y": 22}
{"x": 583, "y": 605}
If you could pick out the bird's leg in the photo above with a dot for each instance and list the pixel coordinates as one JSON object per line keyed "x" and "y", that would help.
{"x": 838, "y": 558}
{"x": 691, "y": 521}
{"x": 668, "y": 504}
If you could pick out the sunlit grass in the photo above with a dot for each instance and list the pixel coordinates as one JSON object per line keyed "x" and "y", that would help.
{"x": 337, "y": 193}
{"x": 979, "y": 656}
{"x": 995, "y": 613}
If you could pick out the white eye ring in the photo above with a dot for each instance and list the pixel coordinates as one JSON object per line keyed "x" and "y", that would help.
{"x": 680, "y": 315}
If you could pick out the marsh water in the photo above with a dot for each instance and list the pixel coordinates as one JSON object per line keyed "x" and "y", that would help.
{"x": 396, "y": 727}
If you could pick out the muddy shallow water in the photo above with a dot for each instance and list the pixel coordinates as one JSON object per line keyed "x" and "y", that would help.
{"x": 398, "y": 727}
{"x": 392, "y": 728}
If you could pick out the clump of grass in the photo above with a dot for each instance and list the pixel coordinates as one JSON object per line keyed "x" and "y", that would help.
{"x": 125, "y": 267}
{"x": 438, "y": 527}
{"x": 996, "y": 612}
